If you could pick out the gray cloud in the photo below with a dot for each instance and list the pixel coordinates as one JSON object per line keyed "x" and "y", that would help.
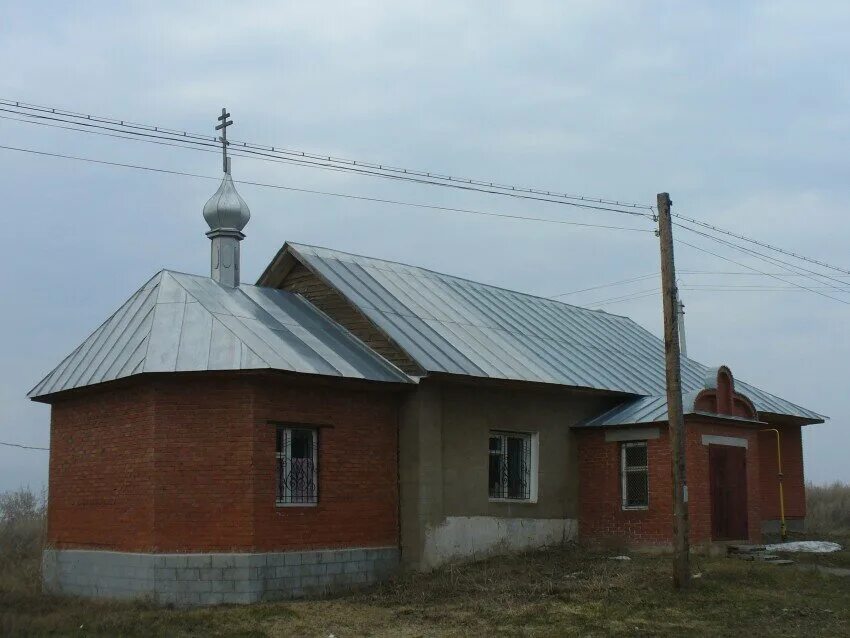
{"x": 740, "y": 111}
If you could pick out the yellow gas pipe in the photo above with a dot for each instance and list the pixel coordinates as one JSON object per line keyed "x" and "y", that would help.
{"x": 783, "y": 530}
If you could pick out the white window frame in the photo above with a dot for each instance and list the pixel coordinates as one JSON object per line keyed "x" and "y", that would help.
{"x": 635, "y": 469}
{"x": 287, "y": 454}
{"x": 533, "y": 469}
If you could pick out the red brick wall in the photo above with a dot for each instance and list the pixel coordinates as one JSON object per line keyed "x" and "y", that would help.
{"x": 204, "y": 463}
{"x": 794, "y": 484}
{"x": 357, "y": 468}
{"x": 101, "y": 464}
{"x": 187, "y": 464}
{"x": 601, "y": 517}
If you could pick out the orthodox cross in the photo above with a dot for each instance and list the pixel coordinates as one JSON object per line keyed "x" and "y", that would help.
{"x": 223, "y": 139}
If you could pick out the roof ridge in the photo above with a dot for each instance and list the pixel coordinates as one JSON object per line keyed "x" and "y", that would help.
{"x": 171, "y": 271}
{"x": 295, "y": 246}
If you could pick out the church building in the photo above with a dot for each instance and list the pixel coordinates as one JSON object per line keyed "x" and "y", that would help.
{"x": 348, "y": 417}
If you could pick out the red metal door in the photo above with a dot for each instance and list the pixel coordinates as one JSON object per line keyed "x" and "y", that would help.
{"x": 727, "y": 474}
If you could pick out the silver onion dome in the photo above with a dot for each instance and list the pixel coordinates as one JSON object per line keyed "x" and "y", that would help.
{"x": 226, "y": 209}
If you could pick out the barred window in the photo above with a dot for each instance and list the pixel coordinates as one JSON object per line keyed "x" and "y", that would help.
{"x": 510, "y": 465}
{"x": 635, "y": 475}
{"x": 296, "y": 466}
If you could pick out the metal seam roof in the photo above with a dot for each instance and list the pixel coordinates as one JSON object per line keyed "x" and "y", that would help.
{"x": 453, "y": 325}
{"x": 178, "y": 322}
{"x": 652, "y": 409}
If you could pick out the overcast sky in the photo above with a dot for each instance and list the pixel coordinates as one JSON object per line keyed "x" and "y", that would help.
{"x": 740, "y": 110}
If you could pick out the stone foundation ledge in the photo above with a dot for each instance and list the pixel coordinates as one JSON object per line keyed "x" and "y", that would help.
{"x": 214, "y": 578}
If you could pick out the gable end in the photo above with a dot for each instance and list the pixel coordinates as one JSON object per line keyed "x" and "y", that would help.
{"x": 303, "y": 281}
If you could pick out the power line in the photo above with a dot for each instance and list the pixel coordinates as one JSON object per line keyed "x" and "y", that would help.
{"x": 646, "y": 294}
{"x": 613, "y": 283}
{"x": 747, "y": 274}
{"x": 125, "y": 136}
{"x": 161, "y": 140}
{"x": 772, "y": 260}
{"x": 372, "y": 168}
{"x": 618, "y": 299}
{"x": 24, "y": 447}
{"x": 626, "y": 297}
{"x": 747, "y": 287}
{"x": 385, "y": 201}
{"x": 207, "y": 146}
{"x": 756, "y": 270}
{"x": 620, "y": 282}
{"x": 469, "y": 211}
{"x": 643, "y": 294}
{"x": 762, "y": 244}
{"x": 172, "y": 137}
{"x": 684, "y": 243}
{"x": 432, "y": 207}
{"x": 606, "y": 302}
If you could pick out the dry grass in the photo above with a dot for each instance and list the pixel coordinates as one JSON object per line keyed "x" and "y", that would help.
{"x": 828, "y": 509}
{"x": 555, "y": 592}
{"x": 560, "y": 591}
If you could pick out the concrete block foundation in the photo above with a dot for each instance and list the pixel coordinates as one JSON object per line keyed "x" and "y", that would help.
{"x": 772, "y": 527}
{"x": 471, "y": 537}
{"x": 210, "y": 579}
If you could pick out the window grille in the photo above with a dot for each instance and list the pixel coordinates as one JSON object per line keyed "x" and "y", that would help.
{"x": 510, "y": 465}
{"x": 296, "y": 466}
{"x": 635, "y": 475}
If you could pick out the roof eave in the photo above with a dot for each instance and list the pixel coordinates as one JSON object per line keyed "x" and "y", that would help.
{"x": 391, "y": 385}
{"x": 723, "y": 418}
{"x": 774, "y": 418}
{"x": 595, "y": 423}
{"x": 469, "y": 379}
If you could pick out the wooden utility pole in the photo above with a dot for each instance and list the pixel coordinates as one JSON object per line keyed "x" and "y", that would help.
{"x": 670, "y": 294}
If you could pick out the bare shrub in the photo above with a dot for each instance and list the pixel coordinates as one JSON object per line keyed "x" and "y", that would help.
{"x": 828, "y": 509}
{"x": 22, "y": 519}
